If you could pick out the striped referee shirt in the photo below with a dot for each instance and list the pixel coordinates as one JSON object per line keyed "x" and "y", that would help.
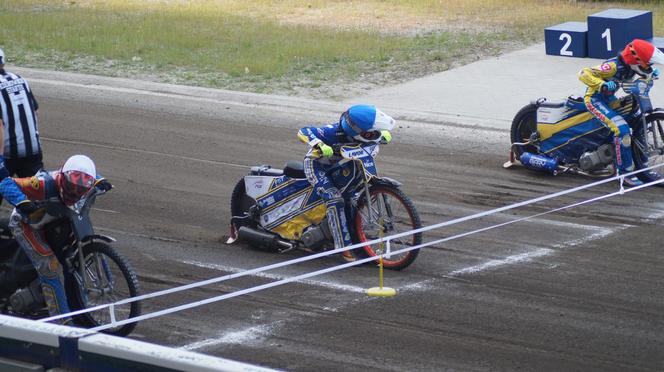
{"x": 18, "y": 107}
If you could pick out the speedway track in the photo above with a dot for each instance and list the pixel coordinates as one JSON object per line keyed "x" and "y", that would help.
{"x": 577, "y": 290}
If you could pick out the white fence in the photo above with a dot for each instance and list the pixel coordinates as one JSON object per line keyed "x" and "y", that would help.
{"x": 26, "y": 345}
{"x": 388, "y": 252}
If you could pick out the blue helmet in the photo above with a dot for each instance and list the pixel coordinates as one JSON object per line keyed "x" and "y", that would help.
{"x": 359, "y": 121}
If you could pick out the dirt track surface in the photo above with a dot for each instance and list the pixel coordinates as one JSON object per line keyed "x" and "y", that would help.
{"x": 575, "y": 290}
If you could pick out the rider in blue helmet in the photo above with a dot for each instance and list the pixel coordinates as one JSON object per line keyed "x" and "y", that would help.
{"x": 360, "y": 123}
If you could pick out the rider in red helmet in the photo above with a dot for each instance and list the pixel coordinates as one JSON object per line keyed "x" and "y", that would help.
{"x": 636, "y": 59}
{"x": 69, "y": 184}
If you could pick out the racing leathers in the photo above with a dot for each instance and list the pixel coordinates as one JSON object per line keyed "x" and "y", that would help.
{"x": 28, "y": 232}
{"x": 597, "y": 101}
{"x": 316, "y": 167}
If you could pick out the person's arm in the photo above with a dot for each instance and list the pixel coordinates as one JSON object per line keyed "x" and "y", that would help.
{"x": 595, "y": 77}
{"x": 10, "y": 190}
{"x": 314, "y": 137}
{"x": 310, "y": 136}
{"x": 31, "y": 97}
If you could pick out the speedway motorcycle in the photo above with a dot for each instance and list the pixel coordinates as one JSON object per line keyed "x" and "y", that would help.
{"x": 94, "y": 272}
{"x": 563, "y": 137}
{"x": 278, "y": 210}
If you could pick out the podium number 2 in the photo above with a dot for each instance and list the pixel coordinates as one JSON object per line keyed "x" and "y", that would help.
{"x": 607, "y": 35}
{"x": 564, "y": 51}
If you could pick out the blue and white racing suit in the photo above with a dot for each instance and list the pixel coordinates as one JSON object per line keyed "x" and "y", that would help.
{"x": 316, "y": 167}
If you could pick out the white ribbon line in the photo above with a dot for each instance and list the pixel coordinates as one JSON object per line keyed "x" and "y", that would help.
{"x": 354, "y": 246}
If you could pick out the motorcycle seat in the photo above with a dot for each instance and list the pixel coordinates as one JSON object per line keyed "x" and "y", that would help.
{"x": 552, "y": 104}
{"x": 294, "y": 169}
{"x": 265, "y": 170}
{"x": 576, "y": 103}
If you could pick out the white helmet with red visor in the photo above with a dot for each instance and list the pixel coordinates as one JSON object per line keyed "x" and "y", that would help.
{"x": 77, "y": 177}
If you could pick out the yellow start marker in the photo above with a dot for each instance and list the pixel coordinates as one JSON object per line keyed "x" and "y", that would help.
{"x": 381, "y": 291}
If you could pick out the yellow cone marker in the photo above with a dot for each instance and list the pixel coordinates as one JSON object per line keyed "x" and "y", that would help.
{"x": 381, "y": 291}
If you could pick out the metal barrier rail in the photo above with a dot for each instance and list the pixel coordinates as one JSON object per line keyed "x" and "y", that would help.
{"x": 26, "y": 345}
{"x": 388, "y": 252}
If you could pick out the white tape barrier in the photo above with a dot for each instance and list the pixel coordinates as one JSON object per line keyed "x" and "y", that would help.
{"x": 385, "y": 240}
{"x": 56, "y": 346}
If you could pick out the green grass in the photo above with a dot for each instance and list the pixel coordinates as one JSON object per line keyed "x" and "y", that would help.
{"x": 277, "y": 46}
{"x": 203, "y": 41}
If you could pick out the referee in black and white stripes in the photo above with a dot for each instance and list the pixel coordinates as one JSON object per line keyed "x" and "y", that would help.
{"x": 22, "y": 150}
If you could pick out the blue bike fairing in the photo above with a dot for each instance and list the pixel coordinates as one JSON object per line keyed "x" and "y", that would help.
{"x": 285, "y": 199}
{"x": 280, "y": 189}
{"x": 568, "y": 145}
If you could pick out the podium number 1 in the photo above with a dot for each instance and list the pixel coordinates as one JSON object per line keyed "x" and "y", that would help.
{"x": 607, "y": 35}
{"x": 564, "y": 51}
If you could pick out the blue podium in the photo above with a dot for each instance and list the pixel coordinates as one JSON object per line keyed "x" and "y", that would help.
{"x": 658, "y": 42}
{"x": 567, "y": 39}
{"x": 609, "y": 31}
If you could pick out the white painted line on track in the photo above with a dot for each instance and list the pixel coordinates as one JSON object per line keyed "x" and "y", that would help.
{"x": 418, "y": 286}
{"x": 106, "y": 210}
{"x": 658, "y": 213}
{"x": 524, "y": 257}
{"x": 255, "y": 334}
{"x": 581, "y": 226}
{"x": 528, "y": 256}
{"x": 326, "y": 284}
{"x": 245, "y": 336}
{"x": 603, "y": 232}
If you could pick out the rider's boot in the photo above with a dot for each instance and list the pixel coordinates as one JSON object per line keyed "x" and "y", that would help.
{"x": 632, "y": 181}
{"x": 348, "y": 256}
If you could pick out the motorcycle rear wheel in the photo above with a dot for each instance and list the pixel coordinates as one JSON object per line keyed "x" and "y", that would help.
{"x": 241, "y": 204}
{"x": 399, "y": 215}
{"x": 524, "y": 125}
{"x": 108, "y": 278}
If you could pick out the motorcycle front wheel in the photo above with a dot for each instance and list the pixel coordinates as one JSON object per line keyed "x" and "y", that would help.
{"x": 108, "y": 278}
{"x": 389, "y": 212}
{"x": 648, "y": 148}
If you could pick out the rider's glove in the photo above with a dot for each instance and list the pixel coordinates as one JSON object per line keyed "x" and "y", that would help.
{"x": 326, "y": 150}
{"x": 386, "y": 136}
{"x": 103, "y": 185}
{"x": 609, "y": 87}
{"x": 655, "y": 72}
{"x": 26, "y": 208}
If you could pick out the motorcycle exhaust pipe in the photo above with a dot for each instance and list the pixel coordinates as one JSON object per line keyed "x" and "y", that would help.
{"x": 264, "y": 239}
{"x": 539, "y": 162}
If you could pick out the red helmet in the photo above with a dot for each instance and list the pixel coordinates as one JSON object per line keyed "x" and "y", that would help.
{"x": 640, "y": 56}
{"x": 76, "y": 178}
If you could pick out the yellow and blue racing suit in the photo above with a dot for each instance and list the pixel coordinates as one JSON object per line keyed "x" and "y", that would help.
{"x": 316, "y": 167}
{"x": 597, "y": 103}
